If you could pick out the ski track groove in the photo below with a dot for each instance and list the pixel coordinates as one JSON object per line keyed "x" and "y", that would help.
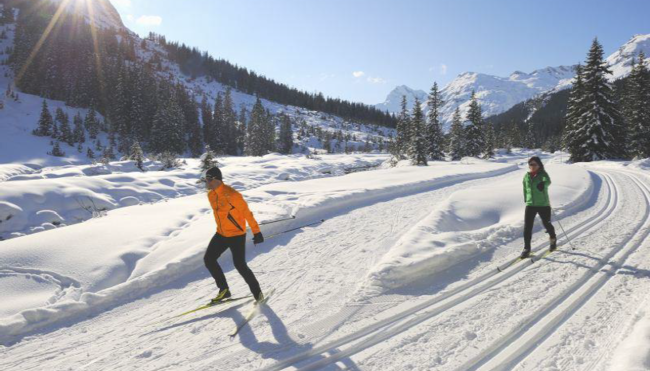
{"x": 456, "y": 296}
{"x": 524, "y": 349}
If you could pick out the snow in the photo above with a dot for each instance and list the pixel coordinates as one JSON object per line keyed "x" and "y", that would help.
{"x": 470, "y": 223}
{"x": 633, "y": 354}
{"x": 60, "y": 196}
{"x": 121, "y": 264}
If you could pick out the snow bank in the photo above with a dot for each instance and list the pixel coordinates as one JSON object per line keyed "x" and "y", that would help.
{"x": 53, "y": 197}
{"x": 471, "y": 222}
{"x": 132, "y": 251}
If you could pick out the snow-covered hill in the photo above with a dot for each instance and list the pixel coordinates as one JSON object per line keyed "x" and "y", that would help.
{"x": 18, "y": 117}
{"x": 497, "y": 94}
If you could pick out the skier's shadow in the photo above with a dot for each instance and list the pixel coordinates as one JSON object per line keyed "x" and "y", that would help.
{"x": 285, "y": 346}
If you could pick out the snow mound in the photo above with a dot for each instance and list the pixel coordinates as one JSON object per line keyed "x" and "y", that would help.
{"x": 470, "y": 223}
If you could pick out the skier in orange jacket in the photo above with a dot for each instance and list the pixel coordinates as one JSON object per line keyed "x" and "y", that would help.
{"x": 231, "y": 214}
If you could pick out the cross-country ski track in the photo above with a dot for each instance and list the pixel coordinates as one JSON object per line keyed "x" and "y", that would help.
{"x": 567, "y": 311}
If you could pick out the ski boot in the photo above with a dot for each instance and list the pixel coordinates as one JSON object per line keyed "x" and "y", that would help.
{"x": 259, "y": 298}
{"x": 553, "y": 244}
{"x": 525, "y": 254}
{"x": 221, "y": 296}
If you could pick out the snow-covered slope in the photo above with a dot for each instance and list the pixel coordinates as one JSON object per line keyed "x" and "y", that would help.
{"x": 393, "y": 102}
{"x": 620, "y": 61}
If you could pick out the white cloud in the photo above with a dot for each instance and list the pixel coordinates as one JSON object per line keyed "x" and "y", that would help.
{"x": 358, "y": 74}
{"x": 150, "y": 20}
{"x": 376, "y": 80}
{"x": 443, "y": 69}
{"x": 122, "y": 3}
{"x": 130, "y": 17}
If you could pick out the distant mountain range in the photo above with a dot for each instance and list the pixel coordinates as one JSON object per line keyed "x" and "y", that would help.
{"x": 498, "y": 94}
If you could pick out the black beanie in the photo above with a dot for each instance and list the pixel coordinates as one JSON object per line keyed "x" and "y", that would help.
{"x": 214, "y": 173}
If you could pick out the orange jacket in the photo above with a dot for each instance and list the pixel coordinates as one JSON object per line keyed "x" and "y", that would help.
{"x": 231, "y": 212}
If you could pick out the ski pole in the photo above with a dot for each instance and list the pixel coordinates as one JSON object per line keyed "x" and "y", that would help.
{"x": 565, "y": 235}
{"x": 279, "y": 220}
{"x": 295, "y": 229}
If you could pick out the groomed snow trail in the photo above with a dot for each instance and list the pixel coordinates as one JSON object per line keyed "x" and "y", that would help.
{"x": 313, "y": 270}
{"x": 559, "y": 313}
{"x": 503, "y": 323}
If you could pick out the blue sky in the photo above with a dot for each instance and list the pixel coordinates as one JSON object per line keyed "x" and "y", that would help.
{"x": 361, "y": 49}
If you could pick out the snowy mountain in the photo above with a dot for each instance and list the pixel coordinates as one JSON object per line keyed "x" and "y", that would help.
{"x": 621, "y": 60}
{"x": 498, "y": 94}
{"x": 393, "y": 102}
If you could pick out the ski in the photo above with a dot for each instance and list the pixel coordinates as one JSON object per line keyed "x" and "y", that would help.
{"x": 223, "y": 302}
{"x": 252, "y": 313}
{"x": 510, "y": 264}
{"x": 545, "y": 254}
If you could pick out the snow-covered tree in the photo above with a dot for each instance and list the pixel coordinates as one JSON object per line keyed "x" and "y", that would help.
{"x": 474, "y": 140}
{"x": 434, "y": 126}
{"x": 45, "y": 122}
{"x": 488, "y": 151}
{"x": 286, "y": 135}
{"x": 457, "y": 137}
{"x": 56, "y": 150}
{"x": 638, "y": 108}
{"x": 92, "y": 124}
{"x": 208, "y": 159}
{"x": 600, "y": 124}
{"x": 78, "y": 133}
{"x": 136, "y": 154}
{"x": 417, "y": 149}
{"x": 403, "y": 136}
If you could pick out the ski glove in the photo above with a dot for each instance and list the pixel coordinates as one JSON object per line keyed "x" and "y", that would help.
{"x": 540, "y": 186}
{"x": 258, "y": 238}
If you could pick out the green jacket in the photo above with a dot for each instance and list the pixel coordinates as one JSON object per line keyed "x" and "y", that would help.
{"x": 532, "y": 195}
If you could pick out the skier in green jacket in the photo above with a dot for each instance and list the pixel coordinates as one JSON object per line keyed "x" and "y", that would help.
{"x": 536, "y": 183}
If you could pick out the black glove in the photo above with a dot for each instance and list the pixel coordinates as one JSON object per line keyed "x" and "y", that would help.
{"x": 540, "y": 186}
{"x": 258, "y": 238}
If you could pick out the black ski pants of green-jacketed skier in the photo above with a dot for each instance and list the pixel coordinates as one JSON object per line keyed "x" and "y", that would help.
{"x": 237, "y": 245}
{"x": 544, "y": 213}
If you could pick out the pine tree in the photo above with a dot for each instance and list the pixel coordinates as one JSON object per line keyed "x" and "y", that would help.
{"x": 208, "y": 159}
{"x": 45, "y": 122}
{"x": 402, "y": 137}
{"x": 417, "y": 149}
{"x": 434, "y": 126}
{"x": 474, "y": 140}
{"x": 488, "y": 151}
{"x": 229, "y": 124}
{"x": 63, "y": 121}
{"x": 286, "y": 135}
{"x": 241, "y": 130}
{"x": 92, "y": 124}
{"x": 457, "y": 137}
{"x": 601, "y": 123}
{"x": 217, "y": 142}
{"x": 56, "y": 150}
{"x": 638, "y": 109}
{"x": 571, "y": 140}
{"x": 136, "y": 154}
{"x": 90, "y": 154}
{"x": 206, "y": 118}
{"x": 78, "y": 134}
{"x": 256, "y": 143}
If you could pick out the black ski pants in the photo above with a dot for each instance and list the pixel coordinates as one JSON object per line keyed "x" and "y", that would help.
{"x": 544, "y": 213}
{"x": 237, "y": 246}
